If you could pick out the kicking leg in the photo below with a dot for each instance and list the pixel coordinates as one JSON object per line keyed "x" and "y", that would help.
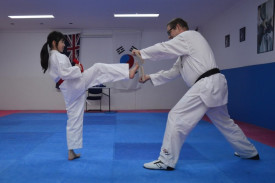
{"x": 133, "y": 71}
{"x": 102, "y": 73}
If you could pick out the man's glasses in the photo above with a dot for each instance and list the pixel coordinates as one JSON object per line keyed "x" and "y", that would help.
{"x": 169, "y": 31}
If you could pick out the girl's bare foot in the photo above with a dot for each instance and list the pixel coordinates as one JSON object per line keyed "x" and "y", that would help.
{"x": 72, "y": 155}
{"x": 133, "y": 71}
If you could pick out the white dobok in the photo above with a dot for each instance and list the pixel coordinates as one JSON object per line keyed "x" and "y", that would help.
{"x": 207, "y": 96}
{"x": 74, "y": 88}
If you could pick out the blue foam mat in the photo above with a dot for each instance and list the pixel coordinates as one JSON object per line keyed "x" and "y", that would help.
{"x": 115, "y": 147}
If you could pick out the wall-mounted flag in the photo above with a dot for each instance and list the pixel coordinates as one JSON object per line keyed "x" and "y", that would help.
{"x": 123, "y": 44}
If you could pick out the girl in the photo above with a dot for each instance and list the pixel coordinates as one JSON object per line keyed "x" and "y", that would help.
{"x": 74, "y": 84}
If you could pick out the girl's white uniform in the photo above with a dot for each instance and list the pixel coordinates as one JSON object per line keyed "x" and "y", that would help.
{"x": 209, "y": 95}
{"x": 74, "y": 88}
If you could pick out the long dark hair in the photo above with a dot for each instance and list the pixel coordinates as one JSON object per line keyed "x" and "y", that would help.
{"x": 44, "y": 54}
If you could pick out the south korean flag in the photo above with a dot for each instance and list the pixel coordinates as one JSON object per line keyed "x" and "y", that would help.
{"x": 123, "y": 44}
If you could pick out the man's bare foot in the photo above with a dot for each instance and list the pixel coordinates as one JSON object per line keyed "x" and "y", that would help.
{"x": 72, "y": 155}
{"x": 133, "y": 71}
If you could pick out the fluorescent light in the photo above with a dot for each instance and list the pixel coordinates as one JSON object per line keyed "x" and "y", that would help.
{"x": 31, "y": 16}
{"x": 136, "y": 15}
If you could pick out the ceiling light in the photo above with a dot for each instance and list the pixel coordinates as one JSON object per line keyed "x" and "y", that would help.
{"x": 31, "y": 16}
{"x": 136, "y": 15}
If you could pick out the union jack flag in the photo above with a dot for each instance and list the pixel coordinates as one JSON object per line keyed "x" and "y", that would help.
{"x": 72, "y": 46}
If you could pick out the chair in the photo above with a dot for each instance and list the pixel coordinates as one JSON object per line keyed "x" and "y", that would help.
{"x": 96, "y": 94}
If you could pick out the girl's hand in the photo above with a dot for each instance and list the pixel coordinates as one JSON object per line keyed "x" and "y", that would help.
{"x": 78, "y": 65}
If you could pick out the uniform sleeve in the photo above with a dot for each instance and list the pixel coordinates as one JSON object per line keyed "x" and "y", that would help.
{"x": 166, "y": 50}
{"x": 66, "y": 70}
{"x": 163, "y": 77}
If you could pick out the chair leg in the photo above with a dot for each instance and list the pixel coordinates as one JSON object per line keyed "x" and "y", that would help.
{"x": 86, "y": 106}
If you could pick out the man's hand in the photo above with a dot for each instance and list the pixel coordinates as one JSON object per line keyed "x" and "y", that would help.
{"x": 146, "y": 78}
{"x": 135, "y": 52}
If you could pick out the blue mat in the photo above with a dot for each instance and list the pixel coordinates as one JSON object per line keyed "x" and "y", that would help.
{"x": 115, "y": 147}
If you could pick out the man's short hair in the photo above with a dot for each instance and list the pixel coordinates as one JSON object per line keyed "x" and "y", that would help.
{"x": 173, "y": 23}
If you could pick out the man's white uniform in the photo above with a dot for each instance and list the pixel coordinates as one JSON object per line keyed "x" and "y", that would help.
{"x": 74, "y": 88}
{"x": 209, "y": 95}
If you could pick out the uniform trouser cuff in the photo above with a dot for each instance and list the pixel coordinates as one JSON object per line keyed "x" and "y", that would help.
{"x": 166, "y": 162}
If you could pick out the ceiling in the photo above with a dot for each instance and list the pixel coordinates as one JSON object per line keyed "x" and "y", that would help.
{"x": 98, "y": 14}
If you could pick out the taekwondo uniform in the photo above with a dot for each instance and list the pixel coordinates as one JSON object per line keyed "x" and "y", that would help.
{"x": 74, "y": 88}
{"x": 208, "y": 95}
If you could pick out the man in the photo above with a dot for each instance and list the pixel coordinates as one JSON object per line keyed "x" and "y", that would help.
{"x": 208, "y": 93}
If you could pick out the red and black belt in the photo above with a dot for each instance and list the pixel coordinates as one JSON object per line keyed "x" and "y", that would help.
{"x": 59, "y": 82}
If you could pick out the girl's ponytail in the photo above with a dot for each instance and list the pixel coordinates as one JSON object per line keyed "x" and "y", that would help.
{"x": 44, "y": 57}
{"x": 44, "y": 54}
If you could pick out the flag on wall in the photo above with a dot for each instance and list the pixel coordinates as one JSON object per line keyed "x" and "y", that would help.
{"x": 123, "y": 44}
{"x": 72, "y": 46}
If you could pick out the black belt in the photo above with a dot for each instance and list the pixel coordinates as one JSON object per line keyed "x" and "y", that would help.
{"x": 209, "y": 73}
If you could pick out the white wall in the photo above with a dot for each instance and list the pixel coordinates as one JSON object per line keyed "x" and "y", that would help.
{"x": 239, "y": 54}
{"x": 25, "y": 87}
